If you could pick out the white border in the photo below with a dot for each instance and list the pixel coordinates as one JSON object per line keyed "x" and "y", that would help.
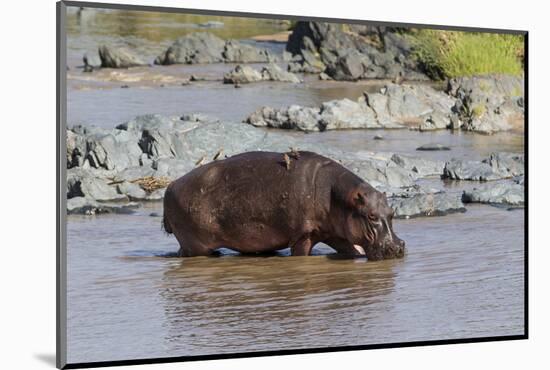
{"x": 28, "y": 182}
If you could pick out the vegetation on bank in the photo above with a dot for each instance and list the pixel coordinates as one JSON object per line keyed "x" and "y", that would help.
{"x": 444, "y": 54}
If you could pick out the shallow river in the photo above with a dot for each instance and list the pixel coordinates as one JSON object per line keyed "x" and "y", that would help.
{"x": 462, "y": 276}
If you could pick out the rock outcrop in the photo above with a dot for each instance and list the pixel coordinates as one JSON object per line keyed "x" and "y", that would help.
{"x": 351, "y": 52}
{"x": 487, "y": 104}
{"x": 246, "y": 74}
{"x": 203, "y": 47}
{"x": 112, "y": 57}
{"x": 497, "y": 167}
{"x": 417, "y": 107}
{"x": 395, "y": 106}
{"x": 505, "y": 193}
{"x": 108, "y": 170}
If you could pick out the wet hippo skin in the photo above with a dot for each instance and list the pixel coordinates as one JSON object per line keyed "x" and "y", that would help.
{"x": 259, "y": 202}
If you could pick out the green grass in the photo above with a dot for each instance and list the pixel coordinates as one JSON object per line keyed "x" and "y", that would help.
{"x": 445, "y": 54}
{"x": 478, "y": 111}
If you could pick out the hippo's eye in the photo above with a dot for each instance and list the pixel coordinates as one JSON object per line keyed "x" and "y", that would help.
{"x": 373, "y": 218}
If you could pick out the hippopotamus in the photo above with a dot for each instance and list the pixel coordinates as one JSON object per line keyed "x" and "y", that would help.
{"x": 259, "y": 202}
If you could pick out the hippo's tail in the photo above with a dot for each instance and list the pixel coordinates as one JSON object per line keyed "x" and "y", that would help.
{"x": 168, "y": 199}
{"x": 166, "y": 226}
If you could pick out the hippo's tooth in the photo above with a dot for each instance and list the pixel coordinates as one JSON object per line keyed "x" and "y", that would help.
{"x": 359, "y": 249}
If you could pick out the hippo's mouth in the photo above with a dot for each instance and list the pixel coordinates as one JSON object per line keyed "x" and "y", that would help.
{"x": 386, "y": 250}
{"x": 369, "y": 233}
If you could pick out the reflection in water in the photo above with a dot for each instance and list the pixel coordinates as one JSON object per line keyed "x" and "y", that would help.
{"x": 157, "y": 27}
{"x": 236, "y": 303}
{"x": 462, "y": 277}
{"x": 149, "y": 33}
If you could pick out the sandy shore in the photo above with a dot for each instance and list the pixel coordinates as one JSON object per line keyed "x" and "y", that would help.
{"x": 276, "y": 37}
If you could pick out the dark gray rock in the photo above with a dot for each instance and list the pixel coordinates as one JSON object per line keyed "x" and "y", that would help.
{"x": 207, "y": 139}
{"x": 310, "y": 35}
{"x": 150, "y": 122}
{"x": 162, "y": 143}
{"x": 498, "y": 166}
{"x": 421, "y": 166}
{"x": 307, "y": 63}
{"x": 433, "y": 147}
{"x": 201, "y": 47}
{"x": 172, "y": 168}
{"x": 204, "y": 47}
{"x": 197, "y": 117}
{"x": 237, "y": 52}
{"x": 293, "y": 117}
{"x": 112, "y": 57}
{"x": 273, "y": 72}
{"x": 76, "y": 149}
{"x": 346, "y": 114}
{"x": 91, "y": 61}
{"x": 396, "y": 106}
{"x": 82, "y": 183}
{"x": 86, "y": 206}
{"x": 434, "y": 204}
{"x": 349, "y": 66}
{"x": 417, "y": 106}
{"x": 242, "y": 74}
{"x": 114, "y": 150}
{"x": 507, "y": 164}
{"x": 332, "y": 115}
{"x": 507, "y": 193}
{"x": 488, "y": 104}
{"x": 245, "y": 74}
{"x": 470, "y": 170}
{"x": 381, "y": 173}
{"x": 346, "y": 54}
{"x": 131, "y": 190}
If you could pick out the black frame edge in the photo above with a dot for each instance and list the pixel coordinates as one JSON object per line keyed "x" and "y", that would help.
{"x": 526, "y": 183}
{"x": 61, "y": 251}
{"x": 160, "y": 360}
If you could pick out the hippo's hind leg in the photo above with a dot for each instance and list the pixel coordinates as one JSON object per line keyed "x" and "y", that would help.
{"x": 302, "y": 247}
{"x": 192, "y": 248}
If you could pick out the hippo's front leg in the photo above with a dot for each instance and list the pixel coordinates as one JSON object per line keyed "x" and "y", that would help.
{"x": 302, "y": 247}
{"x": 342, "y": 246}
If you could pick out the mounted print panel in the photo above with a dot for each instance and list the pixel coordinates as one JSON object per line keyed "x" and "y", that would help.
{"x": 242, "y": 185}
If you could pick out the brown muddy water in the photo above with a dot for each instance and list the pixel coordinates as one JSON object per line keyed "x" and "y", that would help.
{"x": 462, "y": 276}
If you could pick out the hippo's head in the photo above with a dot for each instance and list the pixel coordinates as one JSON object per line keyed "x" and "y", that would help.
{"x": 369, "y": 226}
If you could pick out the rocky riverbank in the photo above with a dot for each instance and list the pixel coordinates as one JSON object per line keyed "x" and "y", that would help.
{"x": 480, "y": 104}
{"x": 195, "y": 48}
{"x": 352, "y": 52}
{"x": 484, "y": 104}
{"x": 114, "y": 170}
{"x": 246, "y": 74}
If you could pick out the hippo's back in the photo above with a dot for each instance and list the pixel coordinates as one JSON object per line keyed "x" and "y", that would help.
{"x": 255, "y": 172}
{"x": 252, "y": 195}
